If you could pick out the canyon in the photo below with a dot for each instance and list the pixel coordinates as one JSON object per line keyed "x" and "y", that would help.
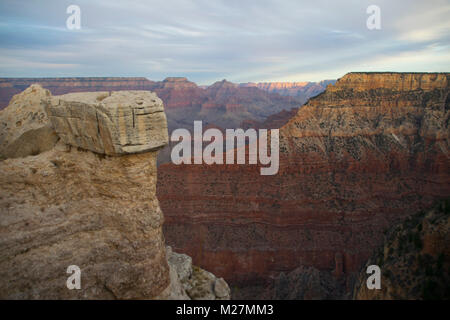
{"x": 357, "y": 159}
{"x": 354, "y": 161}
{"x": 220, "y": 105}
{"x": 302, "y": 91}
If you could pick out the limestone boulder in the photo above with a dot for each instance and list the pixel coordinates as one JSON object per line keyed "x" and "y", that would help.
{"x": 24, "y": 126}
{"x": 92, "y": 205}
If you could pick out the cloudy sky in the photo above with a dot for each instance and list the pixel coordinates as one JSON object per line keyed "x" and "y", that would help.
{"x": 209, "y": 40}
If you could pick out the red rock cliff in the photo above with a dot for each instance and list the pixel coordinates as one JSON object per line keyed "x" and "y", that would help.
{"x": 358, "y": 158}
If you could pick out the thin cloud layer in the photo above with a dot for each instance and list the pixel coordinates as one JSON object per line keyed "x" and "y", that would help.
{"x": 207, "y": 40}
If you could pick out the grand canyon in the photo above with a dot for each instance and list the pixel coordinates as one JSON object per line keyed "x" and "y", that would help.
{"x": 354, "y": 161}
{"x": 358, "y": 157}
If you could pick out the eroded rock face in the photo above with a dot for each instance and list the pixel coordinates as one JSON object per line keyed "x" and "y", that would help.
{"x": 354, "y": 161}
{"x": 414, "y": 259}
{"x": 122, "y": 122}
{"x": 191, "y": 282}
{"x": 59, "y": 86}
{"x": 303, "y": 91}
{"x": 72, "y": 206}
{"x": 24, "y": 126}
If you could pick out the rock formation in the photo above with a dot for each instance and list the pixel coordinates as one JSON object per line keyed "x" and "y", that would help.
{"x": 222, "y": 104}
{"x": 88, "y": 201}
{"x": 25, "y": 129}
{"x": 355, "y": 160}
{"x": 414, "y": 259}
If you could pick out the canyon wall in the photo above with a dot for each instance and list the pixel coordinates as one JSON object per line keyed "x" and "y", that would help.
{"x": 358, "y": 158}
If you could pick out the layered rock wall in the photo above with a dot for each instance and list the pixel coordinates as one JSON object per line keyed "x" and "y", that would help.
{"x": 354, "y": 161}
{"x": 414, "y": 259}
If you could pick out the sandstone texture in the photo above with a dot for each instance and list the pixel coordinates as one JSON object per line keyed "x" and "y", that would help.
{"x": 306, "y": 283}
{"x": 189, "y": 282}
{"x": 414, "y": 259}
{"x": 72, "y": 206}
{"x": 354, "y": 161}
{"x": 116, "y": 123}
{"x": 24, "y": 126}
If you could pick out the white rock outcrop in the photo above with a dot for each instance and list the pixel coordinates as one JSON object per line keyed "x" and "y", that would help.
{"x": 111, "y": 123}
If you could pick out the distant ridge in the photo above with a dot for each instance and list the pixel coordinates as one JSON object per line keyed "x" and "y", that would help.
{"x": 301, "y": 90}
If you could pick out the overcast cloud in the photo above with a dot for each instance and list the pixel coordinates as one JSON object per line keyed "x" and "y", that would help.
{"x": 208, "y": 40}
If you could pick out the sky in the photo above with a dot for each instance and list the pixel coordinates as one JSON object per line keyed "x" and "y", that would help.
{"x": 210, "y": 40}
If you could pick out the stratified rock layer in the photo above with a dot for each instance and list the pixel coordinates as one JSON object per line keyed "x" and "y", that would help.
{"x": 24, "y": 126}
{"x": 414, "y": 259}
{"x": 114, "y": 123}
{"x": 354, "y": 161}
